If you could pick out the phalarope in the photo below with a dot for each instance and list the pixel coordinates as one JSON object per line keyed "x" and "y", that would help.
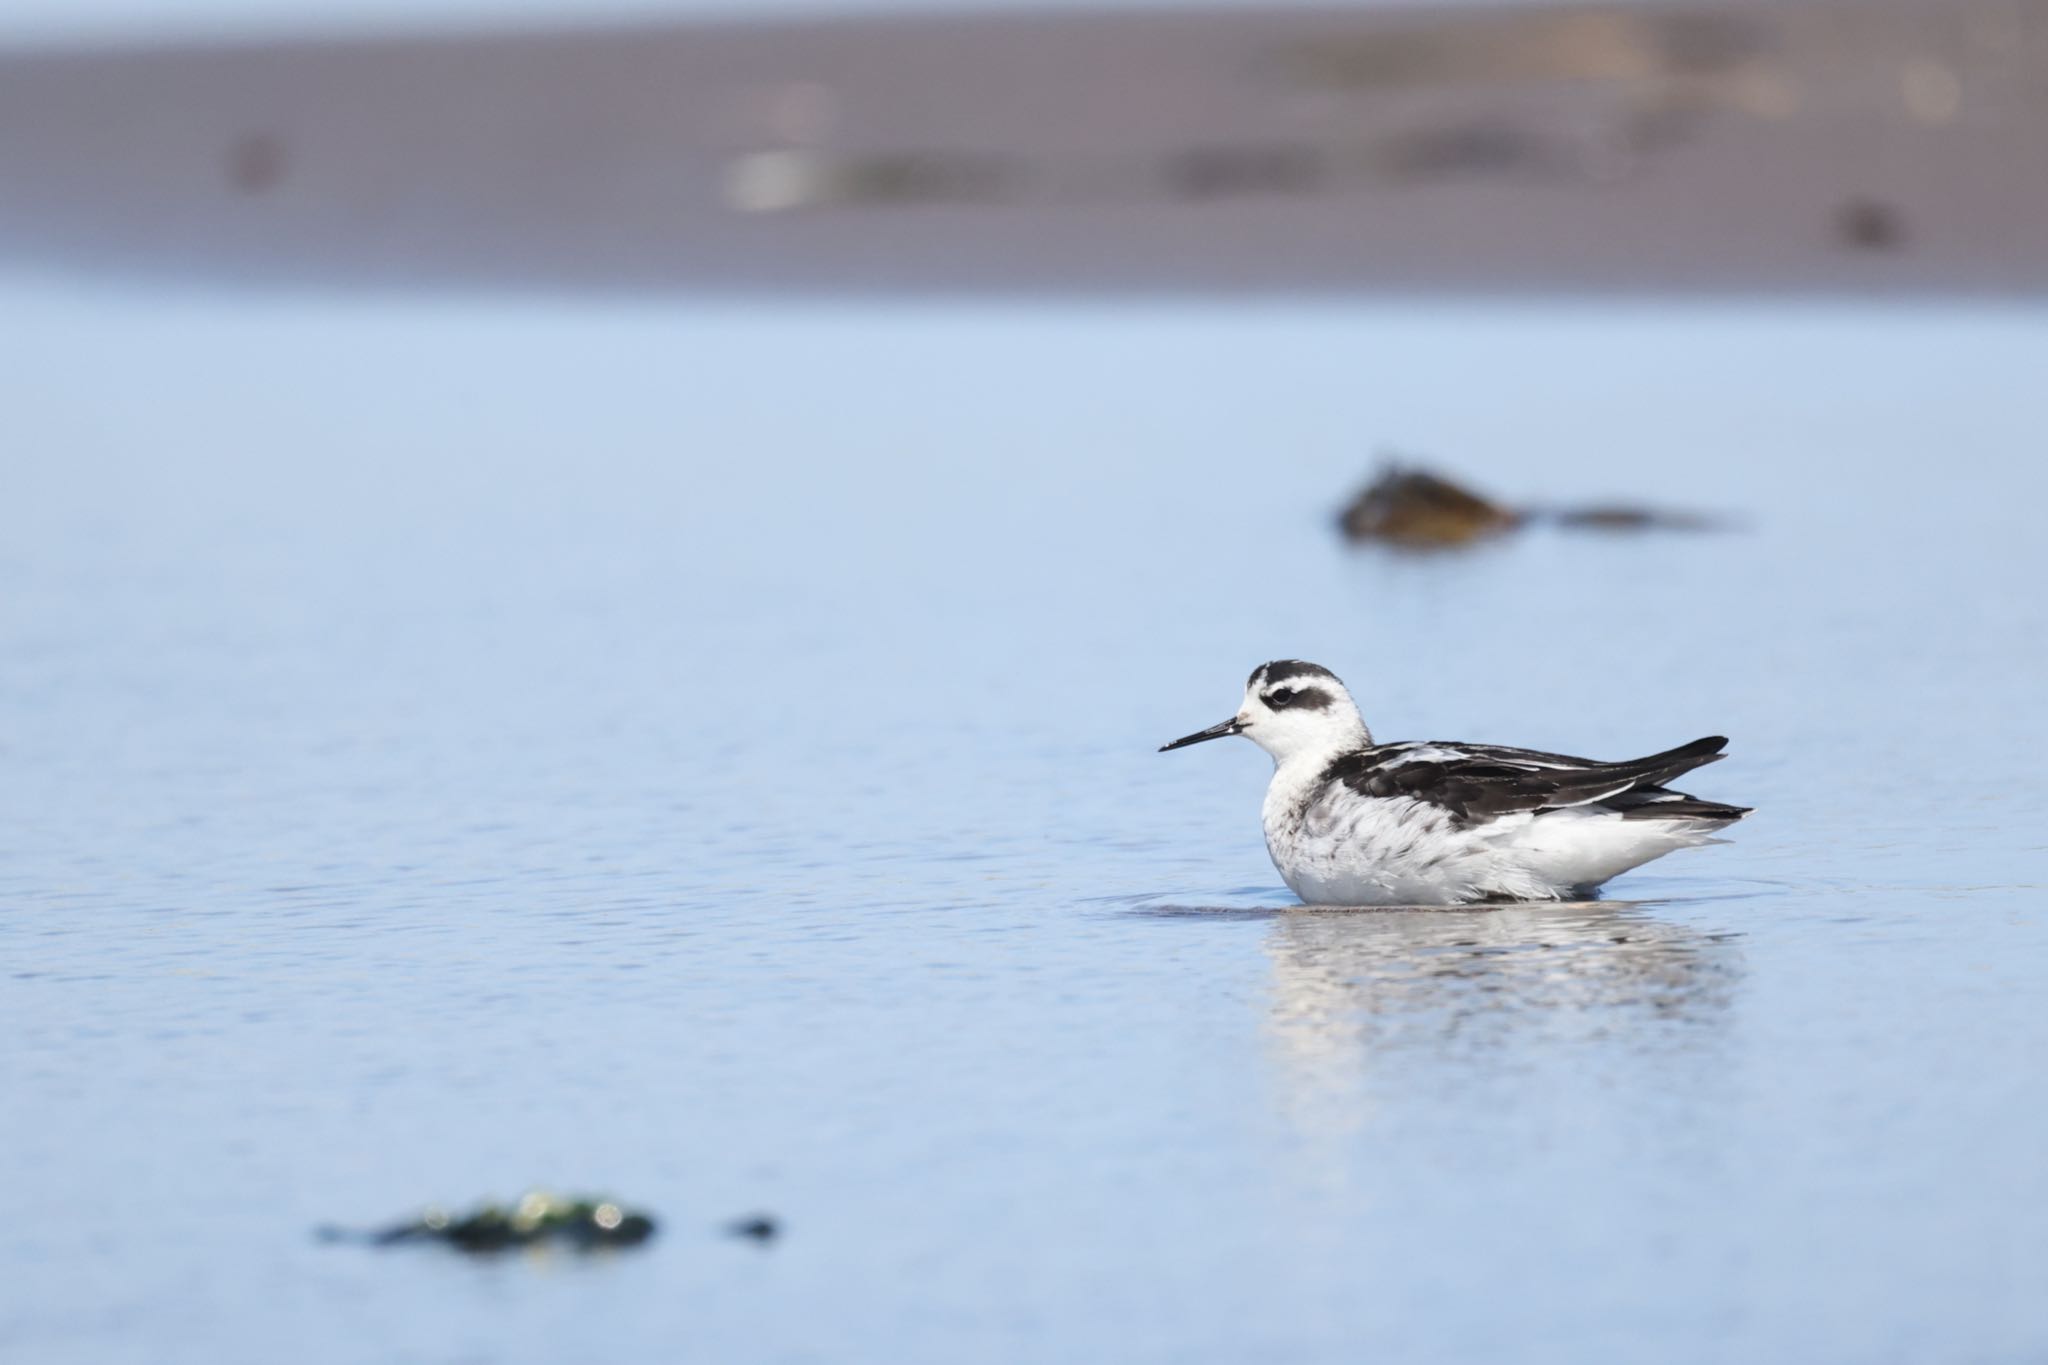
{"x": 1351, "y": 822}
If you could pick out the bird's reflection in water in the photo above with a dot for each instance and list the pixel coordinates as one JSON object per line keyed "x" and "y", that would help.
{"x": 1359, "y": 994}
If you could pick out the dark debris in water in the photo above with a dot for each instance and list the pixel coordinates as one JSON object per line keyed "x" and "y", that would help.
{"x": 1404, "y": 505}
{"x": 1415, "y": 508}
{"x": 535, "y": 1219}
{"x": 760, "y": 1227}
{"x": 1623, "y": 517}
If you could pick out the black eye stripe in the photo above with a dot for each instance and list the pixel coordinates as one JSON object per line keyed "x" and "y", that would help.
{"x": 1297, "y": 699}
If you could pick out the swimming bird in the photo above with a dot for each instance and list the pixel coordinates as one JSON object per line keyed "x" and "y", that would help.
{"x": 1352, "y": 822}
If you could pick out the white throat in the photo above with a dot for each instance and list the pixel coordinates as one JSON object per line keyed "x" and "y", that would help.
{"x": 1295, "y": 739}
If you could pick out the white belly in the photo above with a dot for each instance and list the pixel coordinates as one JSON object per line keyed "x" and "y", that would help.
{"x": 1349, "y": 850}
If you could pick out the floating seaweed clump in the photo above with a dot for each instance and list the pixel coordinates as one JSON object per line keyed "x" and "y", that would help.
{"x": 536, "y": 1219}
{"x": 1415, "y": 508}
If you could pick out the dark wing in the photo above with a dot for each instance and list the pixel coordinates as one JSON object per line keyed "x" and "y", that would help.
{"x": 1481, "y": 782}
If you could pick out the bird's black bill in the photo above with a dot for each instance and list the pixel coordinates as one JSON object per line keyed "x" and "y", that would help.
{"x": 1221, "y": 731}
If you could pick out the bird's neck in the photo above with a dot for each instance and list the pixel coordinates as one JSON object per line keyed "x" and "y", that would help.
{"x": 1311, "y": 759}
{"x": 1296, "y": 779}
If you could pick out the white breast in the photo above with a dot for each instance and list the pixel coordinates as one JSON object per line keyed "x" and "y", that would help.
{"x": 1333, "y": 846}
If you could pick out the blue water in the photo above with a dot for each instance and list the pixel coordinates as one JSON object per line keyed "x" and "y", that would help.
{"x": 707, "y": 757}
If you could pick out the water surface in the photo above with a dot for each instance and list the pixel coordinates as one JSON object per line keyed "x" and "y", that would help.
{"x": 707, "y": 757}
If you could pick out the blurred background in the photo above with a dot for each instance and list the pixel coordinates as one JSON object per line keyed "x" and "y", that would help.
{"x": 586, "y": 602}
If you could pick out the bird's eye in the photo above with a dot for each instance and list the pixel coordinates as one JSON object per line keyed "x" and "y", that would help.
{"x": 1280, "y": 696}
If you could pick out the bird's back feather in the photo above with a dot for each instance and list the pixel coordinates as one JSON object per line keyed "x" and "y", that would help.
{"x": 1478, "y": 783}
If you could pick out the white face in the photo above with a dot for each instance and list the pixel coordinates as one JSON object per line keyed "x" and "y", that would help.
{"x": 1292, "y": 708}
{"x": 1298, "y": 715}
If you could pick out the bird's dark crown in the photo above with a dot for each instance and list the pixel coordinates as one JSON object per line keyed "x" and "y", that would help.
{"x": 1284, "y": 670}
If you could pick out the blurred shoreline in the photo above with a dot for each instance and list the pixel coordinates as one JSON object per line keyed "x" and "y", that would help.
{"x": 1843, "y": 150}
